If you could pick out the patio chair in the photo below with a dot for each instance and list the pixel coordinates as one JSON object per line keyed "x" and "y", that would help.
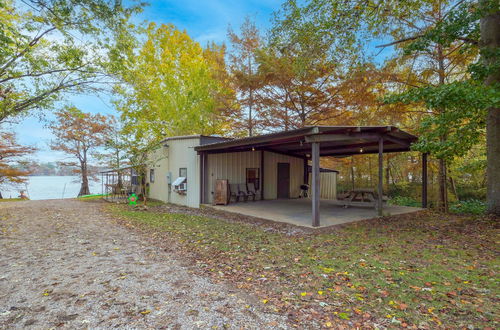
{"x": 234, "y": 191}
{"x": 304, "y": 191}
{"x": 242, "y": 190}
{"x": 251, "y": 190}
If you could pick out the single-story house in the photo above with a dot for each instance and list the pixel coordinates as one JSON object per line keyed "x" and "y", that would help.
{"x": 174, "y": 176}
{"x": 184, "y": 169}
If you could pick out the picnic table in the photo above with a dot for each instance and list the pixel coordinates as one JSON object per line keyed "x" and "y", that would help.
{"x": 360, "y": 197}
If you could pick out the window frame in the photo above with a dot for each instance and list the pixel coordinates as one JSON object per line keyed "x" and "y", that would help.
{"x": 256, "y": 181}
{"x": 152, "y": 175}
{"x": 180, "y": 173}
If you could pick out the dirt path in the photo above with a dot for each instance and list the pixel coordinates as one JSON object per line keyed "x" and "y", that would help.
{"x": 65, "y": 264}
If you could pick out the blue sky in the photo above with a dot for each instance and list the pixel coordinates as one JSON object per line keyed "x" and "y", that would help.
{"x": 203, "y": 20}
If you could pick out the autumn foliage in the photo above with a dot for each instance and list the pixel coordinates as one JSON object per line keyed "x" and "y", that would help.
{"x": 11, "y": 153}
{"x": 79, "y": 135}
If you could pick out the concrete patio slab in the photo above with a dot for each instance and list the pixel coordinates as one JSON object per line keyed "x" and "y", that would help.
{"x": 298, "y": 211}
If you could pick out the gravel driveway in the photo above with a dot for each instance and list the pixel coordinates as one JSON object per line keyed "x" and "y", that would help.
{"x": 64, "y": 263}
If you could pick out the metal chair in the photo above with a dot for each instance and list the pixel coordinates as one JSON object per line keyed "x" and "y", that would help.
{"x": 251, "y": 192}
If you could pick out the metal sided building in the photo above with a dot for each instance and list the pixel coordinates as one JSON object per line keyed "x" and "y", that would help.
{"x": 173, "y": 173}
{"x": 185, "y": 168}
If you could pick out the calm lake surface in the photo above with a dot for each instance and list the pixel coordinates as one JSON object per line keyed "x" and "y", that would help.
{"x": 51, "y": 187}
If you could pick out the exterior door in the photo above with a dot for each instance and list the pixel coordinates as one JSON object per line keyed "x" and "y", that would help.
{"x": 283, "y": 180}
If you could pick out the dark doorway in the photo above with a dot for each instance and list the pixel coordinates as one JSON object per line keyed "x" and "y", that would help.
{"x": 283, "y": 180}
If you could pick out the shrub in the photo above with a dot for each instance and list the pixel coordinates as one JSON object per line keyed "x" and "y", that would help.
{"x": 471, "y": 206}
{"x": 405, "y": 201}
{"x": 471, "y": 193}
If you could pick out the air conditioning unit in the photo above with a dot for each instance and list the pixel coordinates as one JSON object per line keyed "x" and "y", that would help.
{"x": 182, "y": 187}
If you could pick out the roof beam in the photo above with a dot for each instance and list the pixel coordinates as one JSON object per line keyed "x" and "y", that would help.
{"x": 397, "y": 140}
{"x": 341, "y": 137}
{"x": 353, "y": 152}
{"x": 340, "y": 147}
{"x": 255, "y": 140}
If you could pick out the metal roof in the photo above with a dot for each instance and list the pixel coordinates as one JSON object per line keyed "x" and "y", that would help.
{"x": 322, "y": 169}
{"x": 196, "y": 136}
{"x": 337, "y": 141}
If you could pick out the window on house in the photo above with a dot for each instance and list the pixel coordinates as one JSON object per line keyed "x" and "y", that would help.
{"x": 151, "y": 175}
{"x": 183, "y": 172}
{"x": 253, "y": 177}
{"x": 135, "y": 178}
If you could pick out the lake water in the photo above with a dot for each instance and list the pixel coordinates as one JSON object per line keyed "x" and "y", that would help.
{"x": 51, "y": 187}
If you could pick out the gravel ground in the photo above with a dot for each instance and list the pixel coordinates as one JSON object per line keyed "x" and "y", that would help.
{"x": 64, "y": 263}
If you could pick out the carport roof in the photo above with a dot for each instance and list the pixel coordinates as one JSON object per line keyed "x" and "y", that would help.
{"x": 336, "y": 141}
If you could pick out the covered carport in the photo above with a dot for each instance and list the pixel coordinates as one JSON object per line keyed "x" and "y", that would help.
{"x": 311, "y": 143}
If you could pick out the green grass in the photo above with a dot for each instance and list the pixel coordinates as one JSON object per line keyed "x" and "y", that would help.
{"x": 90, "y": 197}
{"x": 425, "y": 270}
{"x": 11, "y": 199}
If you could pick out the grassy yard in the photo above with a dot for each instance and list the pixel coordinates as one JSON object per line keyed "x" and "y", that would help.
{"x": 11, "y": 199}
{"x": 419, "y": 270}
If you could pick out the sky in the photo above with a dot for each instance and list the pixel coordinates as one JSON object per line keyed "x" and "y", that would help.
{"x": 204, "y": 21}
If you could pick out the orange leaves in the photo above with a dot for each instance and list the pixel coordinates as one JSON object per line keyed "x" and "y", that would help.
{"x": 78, "y": 134}
{"x": 11, "y": 153}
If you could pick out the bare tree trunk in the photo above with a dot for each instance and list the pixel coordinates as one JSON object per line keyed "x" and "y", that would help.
{"x": 453, "y": 187}
{"x": 143, "y": 189}
{"x": 1, "y": 197}
{"x": 443, "y": 189}
{"x": 84, "y": 189}
{"x": 370, "y": 170}
{"x": 490, "y": 39}
{"x": 250, "y": 119}
{"x": 352, "y": 173}
{"x": 250, "y": 99}
{"x": 387, "y": 173}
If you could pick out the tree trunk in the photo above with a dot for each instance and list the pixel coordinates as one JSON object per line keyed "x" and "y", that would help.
{"x": 453, "y": 186}
{"x": 84, "y": 189}
{"x": 490, "y": 39}
{"x": 443, "y": 188}
{"x": 352, "y": 173}
{"x": 1, "y": 197}
{"x": 143, "y": 188}
{"x": 250, "y": 119}
{"x": 443, "y": 191}
{"x": 387, "y": 173}
{"x": 370, "y": 170}
{"x": 250, "y": 99}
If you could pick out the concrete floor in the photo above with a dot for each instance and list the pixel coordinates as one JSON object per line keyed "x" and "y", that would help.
{"x": 298, "y": 211}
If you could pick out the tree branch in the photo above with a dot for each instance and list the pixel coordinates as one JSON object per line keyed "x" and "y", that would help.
{"x": 400, "y": 41}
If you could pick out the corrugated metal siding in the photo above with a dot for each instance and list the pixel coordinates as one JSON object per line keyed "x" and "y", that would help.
{"x": 271, "y": 161}
{"x": 159, "y": 162}
{"x": 232, "y": 166}
{"x": 179, "y": 153}
{"x": 182, "y": 154}
{"x": 328, "y": 185}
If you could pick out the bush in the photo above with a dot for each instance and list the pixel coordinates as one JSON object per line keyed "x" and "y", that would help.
{"x": 472, "y": 206}
{"x": 405, "y": 201}
{"x": 471, "y": 193}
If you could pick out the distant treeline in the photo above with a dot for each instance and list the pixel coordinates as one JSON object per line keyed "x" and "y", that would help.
{"x": 50, "y": 169}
